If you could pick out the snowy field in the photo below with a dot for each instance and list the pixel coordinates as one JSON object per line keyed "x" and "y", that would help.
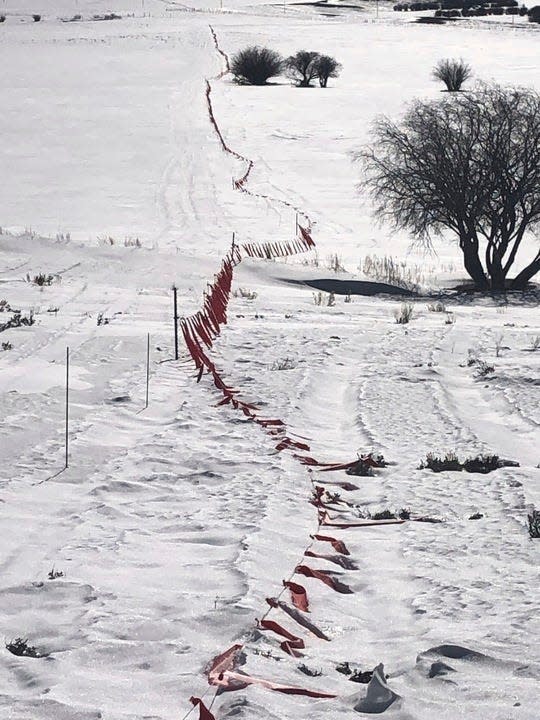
{"x": 173, "y": 524}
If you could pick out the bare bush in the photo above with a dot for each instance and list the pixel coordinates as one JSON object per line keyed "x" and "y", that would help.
{"x": 327, "y": 67}
{"x": 302, "y": 67}
{"x": 453, "y": 73}
{"x": 256, "y": 65}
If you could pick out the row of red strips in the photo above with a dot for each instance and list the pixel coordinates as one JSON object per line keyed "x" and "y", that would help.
{"x": 200, "y": 331}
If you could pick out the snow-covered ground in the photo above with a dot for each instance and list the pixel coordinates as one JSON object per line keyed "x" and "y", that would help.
{"x": 172, "y": 525}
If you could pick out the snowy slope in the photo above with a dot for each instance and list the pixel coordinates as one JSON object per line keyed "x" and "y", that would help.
{"x": 173, "y": 525}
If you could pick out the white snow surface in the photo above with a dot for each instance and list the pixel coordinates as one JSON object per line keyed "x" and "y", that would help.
{"x": 172, "y": 525}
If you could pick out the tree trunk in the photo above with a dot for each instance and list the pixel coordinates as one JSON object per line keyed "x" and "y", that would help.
{"x": 496, "y": 273}
{"x": 521, "y": 280}
{"x": 473, "y": 265}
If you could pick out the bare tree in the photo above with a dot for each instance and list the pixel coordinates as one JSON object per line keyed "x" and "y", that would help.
{"x": 256, "y": 65}
{"x": 302, "y": 67}
{"x": 327, "y": 67}
{"x": 468, "y": 164}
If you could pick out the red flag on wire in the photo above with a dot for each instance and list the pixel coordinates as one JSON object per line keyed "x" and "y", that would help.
{"x": 287, "y": 689}
{"x": 364, "y": 523}
{"x": 344, "y": 562}
{"x": 325, "y": 577}
{"x": 298, "y": 595}
{"x": 298, "y": 617}
{"x": 338, "y": 545}
{"x": 293, "y": 642}
{"x": 204, "y": 712}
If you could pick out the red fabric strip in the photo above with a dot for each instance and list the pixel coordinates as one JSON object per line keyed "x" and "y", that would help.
{"x": 280, "y": 630}
{"x": 204, "y": 712}
{"x": 324, "y": 577}
{"x": 298, "y": 617}
{"x": 344, "y": 562}
{"x": 365, "y": 523}
{"x": 298, "y": 595}
{"x": 287, "y": 689}
{"x": 338, "y": 545}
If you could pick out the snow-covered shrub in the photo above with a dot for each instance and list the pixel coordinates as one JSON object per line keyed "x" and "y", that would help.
{"x": 286, "y": 364}
{"x": 404, "y": 314}
{"x": 256, "y": 65}
{"x": 246, "y": 294}
{"x": 439, "y": 307}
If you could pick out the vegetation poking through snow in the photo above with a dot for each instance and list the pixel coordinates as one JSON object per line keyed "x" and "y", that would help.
{"x": 7, "y": 346}
{"x": 483, "y": 369}
{"x": 533, "y": 520}
{"x": 41, "y": 279}
{"x": 354, "y": 675}
{"x": 322, "y": 298}
{"x": 392, "y": 271}
{"x": 21, "y": 648}
{"x": 365, "y": 464}
{"x": 383, "y": 515}
{"x": 308, "y": 671}
{"x": 285, "y": 364}
{"x": 439, "y": 464}
{"x": 18, "y": 320}
{"x": 477, "y": 464}
{"x": 244, "y": 293}
{"x": 54, "y": 574}
{"x": 335, "y": 263}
